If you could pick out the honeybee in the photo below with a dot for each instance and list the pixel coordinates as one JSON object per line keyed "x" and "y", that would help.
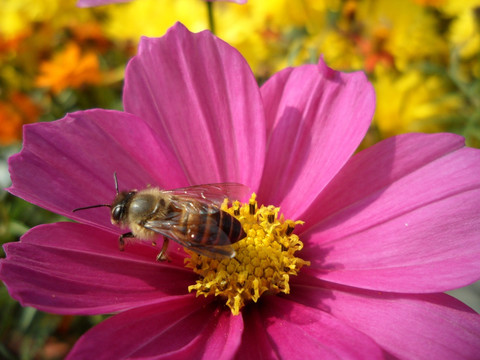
{"x": 190, "y": 216}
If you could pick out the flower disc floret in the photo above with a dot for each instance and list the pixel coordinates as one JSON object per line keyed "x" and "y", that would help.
{"x": 264, "y": 259}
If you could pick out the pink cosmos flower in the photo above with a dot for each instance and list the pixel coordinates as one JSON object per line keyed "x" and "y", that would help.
{"x": 387, "y": 230}
{"x": 89, "y": 3}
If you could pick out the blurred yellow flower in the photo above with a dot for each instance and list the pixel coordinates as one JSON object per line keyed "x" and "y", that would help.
{"x": 452, "y": 8}
{"x": 413, "y": 102}
{"x": 394, "y": 41}
{"x": 433, "y": 3}
{"x": 339, "y": 51}
{"x": 261, "y": 30}
{"x": 152, "y": 18}
{"x": 410, "y": 30}
{"x": 465, "y": 32}
{"x": 69, "y": 68}
{"x": 272, "y": 34}
{"x": 18, "y": 15}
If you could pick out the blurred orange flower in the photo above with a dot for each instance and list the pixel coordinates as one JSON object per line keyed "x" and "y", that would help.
{"x": 69, "y": 68}
{"x": 374, "y": 49}
{"x": 9, "y": 44}
{"x": 91, "y": 34}
{"x": 17, "y": 110}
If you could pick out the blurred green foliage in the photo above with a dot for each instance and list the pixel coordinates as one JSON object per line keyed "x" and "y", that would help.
{"x": 26, "y": 333}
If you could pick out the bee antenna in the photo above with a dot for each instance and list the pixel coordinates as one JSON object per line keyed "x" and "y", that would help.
{"x": 91, "y": 207}
{"x": 116, "y": 181}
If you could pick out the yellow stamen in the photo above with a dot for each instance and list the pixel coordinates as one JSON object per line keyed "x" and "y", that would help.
{"x": 264, "y": 261}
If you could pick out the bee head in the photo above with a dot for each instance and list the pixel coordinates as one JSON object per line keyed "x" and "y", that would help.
{"x": 120, "y": 206}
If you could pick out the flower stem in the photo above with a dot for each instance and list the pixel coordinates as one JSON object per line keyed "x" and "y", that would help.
{"x": 211, "y": 20}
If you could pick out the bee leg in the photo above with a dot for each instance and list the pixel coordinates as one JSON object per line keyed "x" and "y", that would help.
{"x": 121, "y": 242}
{"x": 162, "y": 255}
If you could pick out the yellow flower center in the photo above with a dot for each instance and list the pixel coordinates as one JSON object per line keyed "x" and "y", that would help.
{"x": 264, "y": 261}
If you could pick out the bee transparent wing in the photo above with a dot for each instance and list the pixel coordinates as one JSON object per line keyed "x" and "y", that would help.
{"x": 214, "y": 193}
{"x": 215, "y": 252}
{"x": 214, "y": 243}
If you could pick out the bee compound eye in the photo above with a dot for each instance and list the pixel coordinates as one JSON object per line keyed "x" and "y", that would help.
{"x": 117, "y": 212}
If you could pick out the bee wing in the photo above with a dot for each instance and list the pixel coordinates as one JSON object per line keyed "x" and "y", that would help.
{"x": 216, "y": 245}
{"x": 214, "y": 193}
{"x": 215, "y": 252}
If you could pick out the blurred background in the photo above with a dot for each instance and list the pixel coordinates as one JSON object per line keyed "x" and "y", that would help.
{"x": 422, "y": 56}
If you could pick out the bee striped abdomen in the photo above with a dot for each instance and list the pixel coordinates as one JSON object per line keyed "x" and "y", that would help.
{"x": 218, "y": 225}
{"x": 210, "y": 226}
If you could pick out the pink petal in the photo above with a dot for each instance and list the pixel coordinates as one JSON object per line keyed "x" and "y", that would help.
{"x": 295, "y": 331}
{"x": 226, "y": 336}
{"x": 403, "y": 217}
{"x": 316, "y": 118}
{"x": 433, "y": 326}
{"x": 73, "y": 161}
{"x": 70, "y": 268}
{"x": 256, "y": 343}
{"x": 201, "y": 98}
{"x": 176, "y": 328}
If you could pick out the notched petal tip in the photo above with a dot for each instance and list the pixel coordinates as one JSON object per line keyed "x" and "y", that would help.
{"x": 320, "y": 117}
{"x": 361, "y": 90}
{"x": 325, "y": 70}
{"x": 357, "y": 76}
